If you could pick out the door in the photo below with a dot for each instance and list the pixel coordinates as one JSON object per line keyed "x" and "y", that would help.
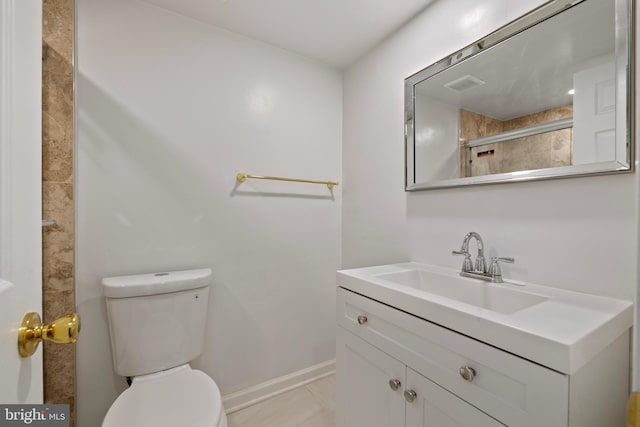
{"x": 364, "y": 393}
{"x": 433, "y": 406}
{"x": 20, "y": 193}
{"x": 594, "y": 114}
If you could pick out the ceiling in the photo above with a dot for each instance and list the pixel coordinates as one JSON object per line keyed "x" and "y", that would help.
{"x": 533, "y": 70}
{"x": 336, "y": 32}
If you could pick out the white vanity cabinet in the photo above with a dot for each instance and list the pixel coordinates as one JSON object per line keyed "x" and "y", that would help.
{"x": 384, "y": 353}
{"x": 364, "y": 371}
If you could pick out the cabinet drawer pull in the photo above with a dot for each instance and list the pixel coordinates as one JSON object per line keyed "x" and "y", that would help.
{"x": 362, "y": 319}
{"x": 394, "y": 384}
{"x": 468, "y": 373}
{"x": 410, "y": 395}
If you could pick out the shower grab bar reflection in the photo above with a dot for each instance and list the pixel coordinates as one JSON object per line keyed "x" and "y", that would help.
{"x": 242, "y": 177}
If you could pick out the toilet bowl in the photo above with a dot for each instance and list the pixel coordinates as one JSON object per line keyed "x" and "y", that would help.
{"x": 156, "y": 325}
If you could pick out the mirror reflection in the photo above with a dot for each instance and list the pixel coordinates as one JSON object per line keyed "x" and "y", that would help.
{"x": 528, "y": 101}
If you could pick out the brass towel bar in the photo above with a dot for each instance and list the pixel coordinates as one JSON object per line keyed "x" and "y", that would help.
{"x": 241, "y": 177}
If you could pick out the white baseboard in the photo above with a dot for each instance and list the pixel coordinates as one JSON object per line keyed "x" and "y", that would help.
{"x": 250, "y": 396}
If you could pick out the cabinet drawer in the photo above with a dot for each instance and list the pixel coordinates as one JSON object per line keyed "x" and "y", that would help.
{"x": 511, "y": 389}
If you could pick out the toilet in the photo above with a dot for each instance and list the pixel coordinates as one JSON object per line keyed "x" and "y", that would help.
{"x": 156, "y": 325}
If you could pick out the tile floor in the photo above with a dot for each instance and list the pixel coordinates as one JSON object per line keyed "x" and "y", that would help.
{"x": 312, "y": 405}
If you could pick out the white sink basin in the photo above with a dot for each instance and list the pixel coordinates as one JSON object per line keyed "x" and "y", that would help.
{"x": 468, "y": 291}
{"x": 554, "y": 327}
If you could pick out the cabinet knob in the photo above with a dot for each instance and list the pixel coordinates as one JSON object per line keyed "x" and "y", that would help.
{"x": 362, "y": 319}
{"x": 410, "y": 395}
{"x": 395, "y": 384}
{"x": 468, "y": 373}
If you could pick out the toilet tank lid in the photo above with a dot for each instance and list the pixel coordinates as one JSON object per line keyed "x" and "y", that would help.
{"x": 155, "y": 283}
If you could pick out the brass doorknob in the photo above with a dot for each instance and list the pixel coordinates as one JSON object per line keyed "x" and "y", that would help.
{"x": 62, "y": 331}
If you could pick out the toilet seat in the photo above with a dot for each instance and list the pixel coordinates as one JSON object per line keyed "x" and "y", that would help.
{"x": 175, "y": 397}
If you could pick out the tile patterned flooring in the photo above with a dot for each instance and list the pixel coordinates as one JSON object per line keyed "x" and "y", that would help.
{"x": 312, "y": 405}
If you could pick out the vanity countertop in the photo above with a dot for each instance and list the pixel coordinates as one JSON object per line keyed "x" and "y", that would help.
{"x": 559, "y": 329}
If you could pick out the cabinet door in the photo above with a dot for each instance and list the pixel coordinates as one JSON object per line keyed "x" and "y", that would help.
{"x": 364, "y": 395}
{"x": 434, "y": 406}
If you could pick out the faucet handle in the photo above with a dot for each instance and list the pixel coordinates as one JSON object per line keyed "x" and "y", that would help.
{"x": 494, "y": 269}
{"x": 467, "y": 265}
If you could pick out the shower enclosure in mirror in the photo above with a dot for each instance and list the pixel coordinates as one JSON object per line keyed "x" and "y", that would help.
{"x": 547, "y": 96}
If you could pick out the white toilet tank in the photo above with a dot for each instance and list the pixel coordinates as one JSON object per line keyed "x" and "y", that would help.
{"x": 156, "y": 321}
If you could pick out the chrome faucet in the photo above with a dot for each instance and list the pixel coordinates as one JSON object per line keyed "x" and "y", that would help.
{"x": 480, "y": 271}
{"x": 481, "y": 265}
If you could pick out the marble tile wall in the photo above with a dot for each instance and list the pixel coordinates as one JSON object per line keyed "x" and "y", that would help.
{"x": 547, "y": 150}
{"x": 536, "y": 118}
{"x": 535, "y": 152}
{"x": 57, "y": 194}
{"x": 472, "y": 126}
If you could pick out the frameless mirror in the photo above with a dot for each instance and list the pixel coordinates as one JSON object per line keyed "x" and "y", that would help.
{"x": 547, "y": 96}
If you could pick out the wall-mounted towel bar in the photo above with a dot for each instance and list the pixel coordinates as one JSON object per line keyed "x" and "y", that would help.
{"x": 241, "y": 177}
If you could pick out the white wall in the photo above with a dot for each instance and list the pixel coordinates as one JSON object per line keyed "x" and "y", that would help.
{"x": 169, "y": 110}
{"x": 578, "y": 233}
